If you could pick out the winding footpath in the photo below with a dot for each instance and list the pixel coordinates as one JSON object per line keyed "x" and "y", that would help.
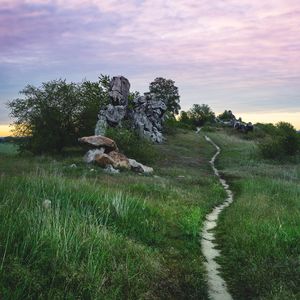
{"x": 217, "y": 288}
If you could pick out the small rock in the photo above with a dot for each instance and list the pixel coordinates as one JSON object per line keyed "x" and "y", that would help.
{"x": 90, "y": 155}
{"x": 110, "y": 169}
{"x": 138, "y": 167}
{"x": 46, "y": 204}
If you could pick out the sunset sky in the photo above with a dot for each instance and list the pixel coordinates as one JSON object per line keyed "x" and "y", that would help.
{"x": 242, "y": 55}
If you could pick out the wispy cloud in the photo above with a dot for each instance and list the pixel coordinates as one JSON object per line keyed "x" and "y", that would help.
{"x": 225, "y": 53}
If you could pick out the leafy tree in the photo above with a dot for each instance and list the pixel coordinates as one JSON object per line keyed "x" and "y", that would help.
{"x": 56, "y": 114}
{"x": 227, "y": 115}
{"x": 166, "y": 91}
{"x": 280, "y": 141}
{"x": 201, "y": 114}
{"x": 185, "y": 121}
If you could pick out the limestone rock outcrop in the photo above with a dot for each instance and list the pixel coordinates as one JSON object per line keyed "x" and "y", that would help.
{"x": 145, "y": 114}
{"x": 105, "y": 153}
{"x": 99, "y": 141}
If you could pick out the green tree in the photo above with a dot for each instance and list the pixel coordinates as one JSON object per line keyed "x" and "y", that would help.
{"x": 56, "y": 114}
{"x": 227, "y": 115}
{"x": 166, "y": 91}
{"x": 280, "y": 141}
{"x": 201, "y": 114}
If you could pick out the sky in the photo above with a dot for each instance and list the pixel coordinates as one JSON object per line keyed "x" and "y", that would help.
{"x": 242, "y": 55}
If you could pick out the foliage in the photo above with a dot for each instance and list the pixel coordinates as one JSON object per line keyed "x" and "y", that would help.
{"x": 132, "y": 145}
{"x": 201, "y": 114}
{"x": 185, "y": 121}
{"x": 281, "y": 140}
{"x": 166, "y": 91}
{"x": 54, "y": 115}
{"x": 226, "y": 115}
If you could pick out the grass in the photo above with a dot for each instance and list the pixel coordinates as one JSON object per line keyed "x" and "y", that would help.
{"x": 259, "y": 234}
{"x": 129, "y": 236}
{"x": 122, "y": 236}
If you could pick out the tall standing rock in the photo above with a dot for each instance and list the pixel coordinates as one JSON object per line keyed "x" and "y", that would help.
{"x": 146, "y": 116}
{"x": 115, "y": 112}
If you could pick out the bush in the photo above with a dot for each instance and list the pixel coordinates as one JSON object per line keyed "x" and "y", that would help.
{"x": 281, "y": 140}
{"x": 54, "y": 115}
{"x": 132, "y": 145}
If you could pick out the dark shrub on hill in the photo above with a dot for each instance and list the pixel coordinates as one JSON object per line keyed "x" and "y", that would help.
{"x": 54, "y": 115}
{"x": 280, "y": 141}
{"x": 132, "y": 145}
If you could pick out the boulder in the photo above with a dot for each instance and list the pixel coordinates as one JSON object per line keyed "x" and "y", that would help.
{"x": 119, "y": 90}
{"x": 115, "y": 114}
{"x": 138, "y": 167}
{"x": 91, "y": 154}
{"x": 99, "y": 141}
{"x": 121, "y": 161}
{"x": 146, "y": 115}
{"x": 104, "y": 160}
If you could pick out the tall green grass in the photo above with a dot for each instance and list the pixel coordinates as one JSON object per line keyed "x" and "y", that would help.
{"x": 259, "y": 233}
{"x": 123, "y": 236}
{"x": 76, "y": 248}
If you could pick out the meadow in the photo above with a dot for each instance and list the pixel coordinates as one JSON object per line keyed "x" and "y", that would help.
{"x": 122, "y": 236}
{"x": 259, "y": 234}
{"x": 131, "y": 236}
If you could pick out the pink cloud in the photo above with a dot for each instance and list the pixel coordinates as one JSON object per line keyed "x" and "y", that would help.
{"x": 231, "y": 46}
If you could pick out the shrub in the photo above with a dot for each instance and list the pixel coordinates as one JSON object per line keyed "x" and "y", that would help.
{"x": 54, "y": 115}
{"x": 281, "y": 140}
{"x": 132, "y": 145}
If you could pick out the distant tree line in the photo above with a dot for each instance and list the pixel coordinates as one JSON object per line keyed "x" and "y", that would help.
{"x": 53, "y": 116}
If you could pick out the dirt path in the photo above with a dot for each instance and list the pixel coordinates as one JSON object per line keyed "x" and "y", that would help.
{"x": 217, "y": 288}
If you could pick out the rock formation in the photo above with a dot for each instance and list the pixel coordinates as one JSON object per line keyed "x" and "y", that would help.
{"x": 145, "y": 116}
{"x": 105, "y": 153}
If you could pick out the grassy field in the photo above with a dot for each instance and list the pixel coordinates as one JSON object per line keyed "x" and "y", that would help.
{"x": 260, "y": 233}
{"x": 130, "y": 236}
{"x": 123, "y": 236}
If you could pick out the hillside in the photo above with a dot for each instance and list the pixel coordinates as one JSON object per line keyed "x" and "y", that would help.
{"x": 129, "y": 236}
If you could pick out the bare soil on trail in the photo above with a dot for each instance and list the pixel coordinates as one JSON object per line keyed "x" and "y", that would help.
{"x": 217, "y": 288}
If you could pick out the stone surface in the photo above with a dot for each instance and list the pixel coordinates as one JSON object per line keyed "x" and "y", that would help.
{"x": 110, "y": 169}
{"x": 104, "y": 160}
{"x": 120, "y": 160}
{"x": 91, "y": 154}
{"x": 101, "y": 125}
{"x": 138, "y": 167}
{"x": 115, "y": 114}
{"x": 119, "y": 90}
{"x": 99, "y": 141}
{"x": 146, "y": 115}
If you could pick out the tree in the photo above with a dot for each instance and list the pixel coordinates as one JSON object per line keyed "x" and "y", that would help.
{"x": 201, "y": 114}
{"x": 280, "y": 141}
{"x": 166, "y": 91}
{"x": 56, "y": 114}
{"x": 227, "y": 115}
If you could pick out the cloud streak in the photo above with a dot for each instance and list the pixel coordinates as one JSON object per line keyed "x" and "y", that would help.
{"x": 224, "y": 53}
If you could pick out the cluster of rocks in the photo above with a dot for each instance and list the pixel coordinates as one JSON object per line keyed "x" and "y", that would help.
{"x": 105, "y": 153}
{"x": 236, "y": 123}
{"x": 145, "y": 114}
